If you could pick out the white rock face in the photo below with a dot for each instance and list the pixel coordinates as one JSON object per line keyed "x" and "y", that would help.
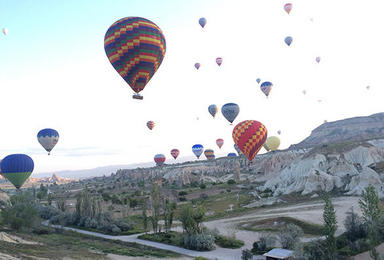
{"x": 348, "y": 171}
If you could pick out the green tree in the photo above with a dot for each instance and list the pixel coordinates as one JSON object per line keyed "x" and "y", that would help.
{"x": 290, "y": 235}
{"x": 192, "y": 219}
{"x": 372, "y": 213}
{"x": 49, "y": 199}
{"x": 144, "y": 214}
{"x": 330, "y": 227}
{"x": 155, "y": 195}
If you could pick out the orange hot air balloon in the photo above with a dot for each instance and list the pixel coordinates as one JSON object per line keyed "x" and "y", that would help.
{"x": 249, "y": 136}
{"x": 220, "y": 142}
{"x": 150, "y": 125}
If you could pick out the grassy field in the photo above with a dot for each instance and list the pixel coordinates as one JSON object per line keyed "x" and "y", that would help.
{"x": 276, "y": 224}
{"x": 77, "y": 246}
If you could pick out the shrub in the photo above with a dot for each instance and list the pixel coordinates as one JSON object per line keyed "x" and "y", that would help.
{"x": 183, "y": 193}
{"x": 246, "y": 255}
{"x": 229, "y": 242}
{"x": 290, "y": 236}
{"x": 199, "y": 242}
{"x": 47, "y": 212}
{"x": 203, "y": 196}
{"x": 203, "y": 186}
{"x": 231, "y": 181}
{"x": 182, "y": 198}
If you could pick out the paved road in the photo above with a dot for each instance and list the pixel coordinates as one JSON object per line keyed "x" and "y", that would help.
{"x": 218, "y": 253}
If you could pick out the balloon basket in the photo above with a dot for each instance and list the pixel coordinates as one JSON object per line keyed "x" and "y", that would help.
{"x": 137, "y": 96}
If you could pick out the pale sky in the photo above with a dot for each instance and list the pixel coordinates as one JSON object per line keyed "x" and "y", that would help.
{"x": 54, "y": 73}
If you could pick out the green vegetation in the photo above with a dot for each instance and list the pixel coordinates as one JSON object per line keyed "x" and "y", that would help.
{"x": 330, "y": 227}
{"x": 170, "y": 238}
{"x": 228, "y": 242}
{"x": 275, "y": 224}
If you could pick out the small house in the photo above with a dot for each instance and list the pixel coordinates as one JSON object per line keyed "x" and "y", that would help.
{"x": 279, "y": 254}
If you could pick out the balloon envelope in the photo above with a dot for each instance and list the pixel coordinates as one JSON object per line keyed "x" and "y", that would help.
{"x": 266, "y": 87}
{"x": 5, "y": 31}
{"x": 220, "y": 142}
{"x": 159, "y": 159}
{"x": 288, "y": 7}
{"x": 230, "y": 111}
{"x": 212, "y": 109}
{"x": 318, "y": 59}
{"x": 232, "y": 155}
{"x": 150, "y": 125}
{"x": 272, "y": 143}
{"x": 288, "y": 40}
{"x": 219, "y": 61}
{"x": 17, "y": 168}
{"x": 279, "y": 132}
{"x": 197, "y": 65}
{"x": 175, "y": 153}
{"x": 209, "y": 154}
{"x": 48, "y": 138}
{"x": 197, "y": 149}
{"x": 258, "y": 80}
{"x": 250, "y": 136}
{"x": 202, "y": 21}
{"x": 135, "y": 47}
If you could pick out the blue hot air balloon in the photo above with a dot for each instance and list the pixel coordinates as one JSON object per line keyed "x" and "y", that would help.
{"x": 197, "y": 149}
{"x": 232, "y": 155}
{"x": 202, "y": 22}
{"x": 212, "y": 109}
{"x": 288, "y": 40}
{"x": 48, "y": 138}
{"x": 266, "y": 87}
{"x": 258, "y": 80}
{"x": 17, "y": 168}
{"x": 230, "y": 111}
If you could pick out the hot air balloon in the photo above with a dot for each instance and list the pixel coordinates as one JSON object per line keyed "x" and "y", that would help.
{"x": 304, "y": 92}
{"x": 48, "y": 138}
{"x": 250, "y": 136}
{"x": 5, "y": 31}
{"x": 220, "y": 142}
{"x": 232, "y": 155}
{"x": 150, "y": 125}
{"x": 266, "y": 87}
{"x": 17, "y": 168}
{"x": 159, "y": 159}
{"x": 368, "y": 87}
{"x": 288, "y": 7}
{"x": 202, "y": 21}
{"x": 175, "y": 153}
{"x": 272, "y": 143}
{"x": 230, "y": 111}
{"x": 212, "y": 109}
{"x": 197, "y": 65}
{"x": 288, "y": 40}
{"x": 239, "y": 152}
{"x": 197, "y": 149}
{"x": 318, "y": 59}
{"x": 279, "y": 132}
{"x": 219, "y": 61}
{"x": 258, "y": 80}
{"x": 135, "y": 47}
{"x": 209, "y": 154}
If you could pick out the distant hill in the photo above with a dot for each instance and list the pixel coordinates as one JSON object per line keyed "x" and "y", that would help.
{"x": 100, "y": 171}
{"x": 350, "y": 129}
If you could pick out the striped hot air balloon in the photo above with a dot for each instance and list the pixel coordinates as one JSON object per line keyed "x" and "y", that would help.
{"x": 220, "y": 142}
{"x": 219, "y": 60}
{"x": 150, "y": 125}
{"x": 17, "y": 168}
{"x": 175, "y": 153}
{"x": 266, "y": 87}
{"x": 250, "y": 136}
{"x": 209, "y": 154}
{"x": 159, "y": 159}
{"x": 197, "y": 149}
{"x": 135, "y": 47}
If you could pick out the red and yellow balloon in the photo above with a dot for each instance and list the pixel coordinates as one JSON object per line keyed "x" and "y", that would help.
{"x": 249, "y": 136}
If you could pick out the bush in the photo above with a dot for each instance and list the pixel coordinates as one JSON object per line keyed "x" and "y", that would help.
{"x": 47, "y": 212}
{"x": 246, "y": 255}
{"x": 203, "y": 186}
{"x": 315, "y": 250}
{"x": 229, "y": 242}
{"x": 183, "y": 193}
{"x": 354, "y": 226}
{"x": 203, "y": 196}
{"x": 290, "y": 236}
{"x": 266, "y": 241}
{"x": 199, "y": 242}
{"x": 182, "y": 198}
{"x": 231, "y": 181}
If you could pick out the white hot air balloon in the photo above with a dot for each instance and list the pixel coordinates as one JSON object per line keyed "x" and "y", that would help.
{"x": 5, "y": 31}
